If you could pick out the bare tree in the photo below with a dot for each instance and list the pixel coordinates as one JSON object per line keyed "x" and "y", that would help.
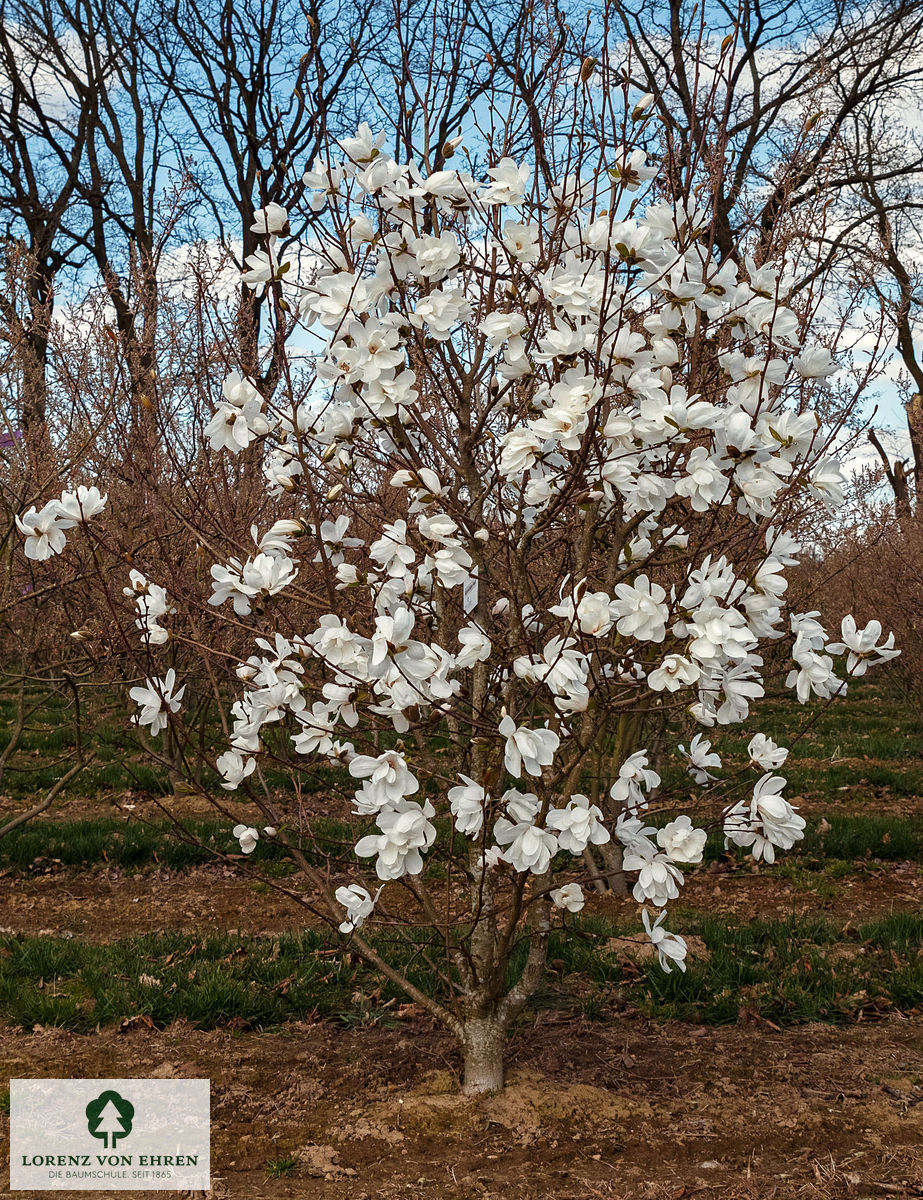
{"x": 762, "y": 109}
{"x": 43, "y": 135}
{"x": 258, "y": 85}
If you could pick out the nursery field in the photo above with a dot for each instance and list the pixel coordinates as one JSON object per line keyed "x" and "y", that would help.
{"x": 786, "y": 1062}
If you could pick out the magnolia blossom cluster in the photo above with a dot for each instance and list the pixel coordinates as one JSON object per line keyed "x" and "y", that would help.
{"x": 569, "y": 315}
{"x": 151, "y": 603}
{"x": 44, "y": 528}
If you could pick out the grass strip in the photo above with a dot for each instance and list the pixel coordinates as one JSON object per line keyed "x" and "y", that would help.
{"x": 786, "y": 971}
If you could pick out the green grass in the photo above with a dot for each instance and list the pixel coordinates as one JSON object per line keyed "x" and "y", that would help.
{"x": 134, "y": 845}
{"x": 48, "y": 735}
{"x": 794, "y": 971}
{"x": 848, "y": 840}
{"x": 891, "y": 839}
{"x": 47, "y": 747}
{"x": 208, "y": 981}
{"x": 787, "y": 971}
{"x": 281, "y": 1168}
{"x": 96, "y": 842}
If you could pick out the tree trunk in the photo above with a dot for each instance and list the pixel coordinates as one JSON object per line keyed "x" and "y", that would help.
{"x": 896, "y": 476}
{"x": 483, "y": 1046}
{"x": 612, "y": 856}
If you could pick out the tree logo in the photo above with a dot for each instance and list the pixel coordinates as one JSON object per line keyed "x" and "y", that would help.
{"x": 109, "y": 1117}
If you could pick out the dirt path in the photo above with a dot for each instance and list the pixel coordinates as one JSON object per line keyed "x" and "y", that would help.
{"x": 109, "y": 904}
{"x": 104, "y": 905}
{"x": 622, "y": 1110}
{"x": 858, "y": 797}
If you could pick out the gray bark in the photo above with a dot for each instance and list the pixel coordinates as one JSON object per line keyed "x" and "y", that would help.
{"x": 483, "y": 1046}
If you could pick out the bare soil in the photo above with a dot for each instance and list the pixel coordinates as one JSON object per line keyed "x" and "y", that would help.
{"x": 854, "y": 799}
{"x": 108, "y": 904}
{"x": 623, "y": 1110}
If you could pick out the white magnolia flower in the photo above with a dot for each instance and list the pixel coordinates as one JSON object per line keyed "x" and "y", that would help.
{"x": 630, "y": 167}
{"x": 491, "y": 858}
{"x": 635, "y": 778}
{"x": 271, "y": 219}
{"x": 705, "y": 483}
{"x": 769, "y": 822}
{"x": 43, "y": 531}
{"x": 422, "y": 480}
{"x": 391, "y": 637}
{"x": 451, "y": 565}
{"x": 405, "y": 833}
{"x": 362, "y": 148}
{"x": 860, "y": 646}
{"x": 332, "y": 534}
{"x": 234, "y": 768}
{"x": 359, "y": 906}
{"x": 315, "y": 734}
{"x": 263, "y": 266}
{"x": 526, "y": 848}
{"x": 157, "y": 700}
{"x": 527, "y": 750}
{"x": 389, "y": 778}
{"x": 500, "y": 327}
{"x": 719, "y": 634}
{"x": 815, "y": 674}
{"x": 82, "y": 505}
{"x": 671, "y": 948}
{"x": 391, "y": 552}
{"x": 508, "y": 183}
{"x": 475, "y": 644}
{"x": 765, "y": 754}
{"x": 578, "y": 825}
{"x": 441, "y": 312}
{"x": 658, "y": 879}
{"x": 814, "y": 362}
{"x": 569, "y": 897}
{"x": 520, "y": 450}
{"x": 681, "y": 841}
{"x": 335, "y": 643}
{"x": 673, "y": 673}
{"x": 266, "y": 573}
{"x": 826, "y": 482}
{"x": 347, "y": 576}
{"x": 521, "y": 806}
{"x": 152, "y": 603}
{"x": 700, "y": 757}
{"x": 239, "y": 418}
{"x": 521, "y": 241}
{"x": 563, "y": 669}
{"x": 640, "y": 609}
{"x": 468, "y": 802}
{"x": 594, "y": 612}
{"x": 436, "y": 256}
{"x": 247, "y": 836}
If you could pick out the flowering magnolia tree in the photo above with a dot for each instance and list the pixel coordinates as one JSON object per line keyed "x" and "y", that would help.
{"x": 535, "y": 510}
